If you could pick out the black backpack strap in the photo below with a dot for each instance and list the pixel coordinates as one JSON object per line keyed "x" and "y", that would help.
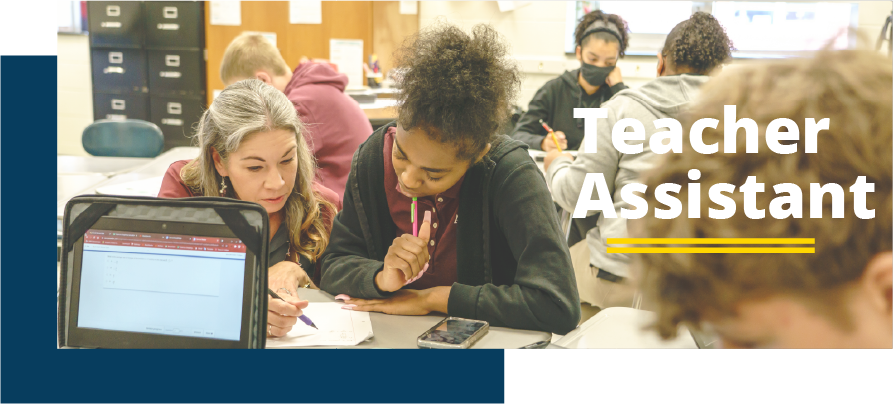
{"x": 85, "y": 221}
{"x": 240, "y": 227}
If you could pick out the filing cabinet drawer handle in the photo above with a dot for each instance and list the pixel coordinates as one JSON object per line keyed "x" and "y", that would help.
{"x": 116, "y": 57}
{"x": 172, "y": 60}
{"x": 113, "y": 11}
{"x": 113, "y": 69}
{"x": 169, "y": 12}
{"x": 169, "y": 27}
{"x": 118, "y": 104}
{"x": 174, "y": 108}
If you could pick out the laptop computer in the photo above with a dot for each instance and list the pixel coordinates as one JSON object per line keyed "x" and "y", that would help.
{"x": 158, "y": 284}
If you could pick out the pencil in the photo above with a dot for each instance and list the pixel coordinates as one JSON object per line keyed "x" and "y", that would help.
{"x": 415, "y": 223}
{"x": 551, "y": 132}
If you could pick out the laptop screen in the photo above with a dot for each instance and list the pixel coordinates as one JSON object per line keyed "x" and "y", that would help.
{"x": 154, "y": 283}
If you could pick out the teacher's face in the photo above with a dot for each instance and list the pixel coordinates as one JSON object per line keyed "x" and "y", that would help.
{"x": 263, "y": 169}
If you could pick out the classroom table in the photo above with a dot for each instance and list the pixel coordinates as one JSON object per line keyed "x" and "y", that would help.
{"x": 149, "y": 168}
{"x": 623, "y": 327}
{"x": 392, "y": 331}
{"x": 108, "y": 166}
{"x": 380, "y": 109}
{"x": 74, "y": 174}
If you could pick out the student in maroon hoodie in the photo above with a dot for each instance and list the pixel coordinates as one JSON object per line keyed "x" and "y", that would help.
{"x": 336, "y": 126}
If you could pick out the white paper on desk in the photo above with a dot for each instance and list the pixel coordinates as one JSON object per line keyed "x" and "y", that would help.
{"x": 146, "y": 187}
{"x": 347, "y": 54}
{"x": 226, "y": 13}
{"x": 409, "y": 7}
{"x": 337, "y": 327}
{"x": 305, "y": 12}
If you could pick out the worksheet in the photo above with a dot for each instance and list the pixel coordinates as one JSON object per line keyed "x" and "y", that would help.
{"x": 337, "y": 327}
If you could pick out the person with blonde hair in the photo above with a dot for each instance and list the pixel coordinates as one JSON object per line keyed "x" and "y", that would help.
{"x": 335, "y": 124}
{"x": 252, "y": 149}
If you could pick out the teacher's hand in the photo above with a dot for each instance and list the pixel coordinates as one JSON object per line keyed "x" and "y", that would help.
{"x": 282, "y": 316}
{"x": 290, "y": 276}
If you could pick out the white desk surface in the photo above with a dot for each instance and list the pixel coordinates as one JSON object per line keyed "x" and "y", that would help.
{"x": 393, "y": 331}
{"x": 622, "y": 327}
{"x": 109, "y": 166}
{"x": 379, "y": 103}
{"x": 150, "y": 168}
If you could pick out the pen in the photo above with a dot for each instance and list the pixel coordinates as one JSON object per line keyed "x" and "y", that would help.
{"x": 551, "y": 132}
{"x": 303, "y": 318}
{"x": 415, "y": 223}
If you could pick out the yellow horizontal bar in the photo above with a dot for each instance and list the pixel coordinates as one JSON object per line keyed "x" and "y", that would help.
{"x": 711, "y": 241}
{"x": 712, "y": 250}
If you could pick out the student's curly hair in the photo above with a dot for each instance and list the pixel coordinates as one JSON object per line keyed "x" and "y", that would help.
{"x": 457, "y": 87}
{"x": 699, "y": 43}
{"x": 596, "y": 15}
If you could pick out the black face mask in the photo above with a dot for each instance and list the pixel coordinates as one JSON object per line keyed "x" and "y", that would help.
{"x": 595, "y": 75}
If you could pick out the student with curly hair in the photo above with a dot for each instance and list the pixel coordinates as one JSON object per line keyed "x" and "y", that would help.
{"x": 693, "y": 49}
{"x": 601, "y": 40}
{"x": 489, "y": 246}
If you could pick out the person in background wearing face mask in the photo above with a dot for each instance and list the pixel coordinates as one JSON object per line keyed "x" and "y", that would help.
{"x": 601, "y": 40}
{"x": 694, "y": 49}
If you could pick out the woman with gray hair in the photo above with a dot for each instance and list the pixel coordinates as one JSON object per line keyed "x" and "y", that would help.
{"x": 253, "y": 149}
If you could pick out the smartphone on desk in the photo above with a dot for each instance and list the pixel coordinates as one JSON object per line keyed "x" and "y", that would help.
{"x": 454, "y": 333}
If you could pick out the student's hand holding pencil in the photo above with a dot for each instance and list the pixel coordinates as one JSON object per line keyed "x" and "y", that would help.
{"x": 548, "y": 143}
{"x": 406, "y": 258}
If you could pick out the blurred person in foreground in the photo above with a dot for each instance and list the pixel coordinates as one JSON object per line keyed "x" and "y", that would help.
{"x": 838, "y": 297}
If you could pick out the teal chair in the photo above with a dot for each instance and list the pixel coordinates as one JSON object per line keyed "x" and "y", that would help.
{"x": 127, "y": 138}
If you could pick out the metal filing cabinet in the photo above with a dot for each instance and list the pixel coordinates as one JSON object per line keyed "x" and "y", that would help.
{"x": 175, "y": 25}
{"x": 120, "y": 106}
{"x": 119, "y": 70}
{"x": 148, "y": 62}
{"x": 117, "y": 24}
{"x": 176, "y": 73}
{"x": 176, "y": 116}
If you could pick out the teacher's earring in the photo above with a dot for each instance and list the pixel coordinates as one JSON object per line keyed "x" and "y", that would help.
{"x": 223, "y": 186}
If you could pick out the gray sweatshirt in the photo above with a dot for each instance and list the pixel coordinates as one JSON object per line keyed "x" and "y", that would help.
{"x": 664, "y": 97}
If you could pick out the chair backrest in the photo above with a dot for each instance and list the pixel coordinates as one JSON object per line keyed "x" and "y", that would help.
{"x": 622, "y": 327}
{"x": 127, "y": 138}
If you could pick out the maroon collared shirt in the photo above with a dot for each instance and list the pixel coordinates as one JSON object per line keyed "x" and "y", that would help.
{"x": 444, "y": 209}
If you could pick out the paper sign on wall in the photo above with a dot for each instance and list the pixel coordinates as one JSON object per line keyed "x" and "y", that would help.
{"x": 511, "y": 5}
{"x": 347, "y": 54}
{"x": 226, "y": 13}
{"x": 409, "y": 7}
{"x": 305, "y": 12}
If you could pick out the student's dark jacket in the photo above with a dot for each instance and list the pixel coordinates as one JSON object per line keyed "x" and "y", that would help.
{"x": 554, "y": 103}
{"x": 513, "y": 267}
